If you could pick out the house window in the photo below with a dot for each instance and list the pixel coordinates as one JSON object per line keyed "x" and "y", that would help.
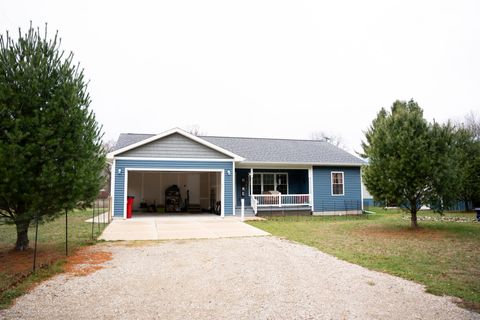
{"x": 337, "y": 184}
{"x": 257, "y": 184}
{"x": 264, "y": 182}
{"x": 282, "y": 185}
{"x": 268, "y": 182}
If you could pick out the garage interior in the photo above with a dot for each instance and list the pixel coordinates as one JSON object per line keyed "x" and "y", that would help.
{"x": 167, "y": 192}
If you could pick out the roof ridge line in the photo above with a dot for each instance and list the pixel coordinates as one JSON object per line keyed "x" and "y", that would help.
{"x": 233, "y": 137}
{"x": 282, "y": 139}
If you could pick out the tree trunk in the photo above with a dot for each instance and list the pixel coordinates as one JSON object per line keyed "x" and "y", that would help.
{"x": 414, "y": 219}
{"x": 22, "y": 235}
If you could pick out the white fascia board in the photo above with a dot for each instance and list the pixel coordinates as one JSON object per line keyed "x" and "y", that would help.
{"x": 183, "y": 133}
{"x": 306, "y": 165}
{"x": 174, "y": 159}
{"x": 357, "y": 165}
{"x": 174, "y": 170}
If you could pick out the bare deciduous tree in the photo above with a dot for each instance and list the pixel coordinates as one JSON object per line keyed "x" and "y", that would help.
{"x": 329, "y": 137}
{"x": 472, "y": 124}
{"x": 108, "y": 146}
{"x": 195, "y": 130}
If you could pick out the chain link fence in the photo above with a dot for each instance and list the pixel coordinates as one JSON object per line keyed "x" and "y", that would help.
{"x": 50, "y": 242}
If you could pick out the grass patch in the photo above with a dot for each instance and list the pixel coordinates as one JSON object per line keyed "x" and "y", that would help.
{"x": 441, "y": 255}
{"x": 16, "y": 276}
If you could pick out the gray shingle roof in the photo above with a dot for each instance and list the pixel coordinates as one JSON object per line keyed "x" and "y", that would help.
{"x": 269, "y": 150}
{"x": 126, "y": 139}
{"x": 285, "y": 150}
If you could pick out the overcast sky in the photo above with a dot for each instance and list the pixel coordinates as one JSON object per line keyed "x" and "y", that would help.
{"x": 265, "y": 68}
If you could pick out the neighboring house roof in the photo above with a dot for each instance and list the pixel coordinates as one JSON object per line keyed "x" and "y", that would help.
{"x": 265, "y": 150}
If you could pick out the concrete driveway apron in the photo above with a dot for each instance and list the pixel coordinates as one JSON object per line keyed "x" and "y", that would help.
{"x": 180, "y": 226}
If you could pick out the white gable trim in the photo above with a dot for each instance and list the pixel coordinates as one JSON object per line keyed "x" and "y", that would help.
{"x": 183, "y": 133}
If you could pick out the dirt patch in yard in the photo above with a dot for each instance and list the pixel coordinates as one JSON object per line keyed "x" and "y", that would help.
{"x": 401, "y": 233}
{"x": 19, "y": 264}
{"x": 21, "y": 261}
{"x": 86, "y": 261}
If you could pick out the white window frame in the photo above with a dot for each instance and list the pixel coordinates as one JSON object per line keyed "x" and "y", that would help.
{"x": 343, "y": 183}
{"x": 274, "y": 180}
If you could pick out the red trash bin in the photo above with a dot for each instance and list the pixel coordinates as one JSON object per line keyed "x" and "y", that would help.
{"x": 129, "y": 206}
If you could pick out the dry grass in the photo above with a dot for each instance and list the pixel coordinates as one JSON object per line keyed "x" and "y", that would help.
{"x": 442, "y": 255}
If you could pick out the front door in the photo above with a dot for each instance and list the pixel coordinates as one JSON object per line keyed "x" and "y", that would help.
{"x": 242, "y": 187}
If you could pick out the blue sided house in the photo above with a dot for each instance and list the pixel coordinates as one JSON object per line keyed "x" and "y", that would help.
{"x": 177, "y": 172}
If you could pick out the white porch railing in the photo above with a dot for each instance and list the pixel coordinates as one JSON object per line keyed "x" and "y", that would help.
{"x": 280, "y": 200}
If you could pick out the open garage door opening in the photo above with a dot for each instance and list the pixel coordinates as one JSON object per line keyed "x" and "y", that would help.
{"x": 174, "y": 192}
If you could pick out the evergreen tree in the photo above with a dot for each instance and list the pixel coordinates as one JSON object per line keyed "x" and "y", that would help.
{"x": 469, "y": 176}
{"x": 411, "y": 162}
{"x": 51, "y": 156}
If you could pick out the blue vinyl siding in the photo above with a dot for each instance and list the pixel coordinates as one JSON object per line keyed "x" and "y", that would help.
{"x": 297, "y": 181}
{"x": 173, "y": 165}
{"x": 322, "y": 189}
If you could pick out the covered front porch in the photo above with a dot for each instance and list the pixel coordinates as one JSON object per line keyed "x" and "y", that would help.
{"x": 274, "y": 189}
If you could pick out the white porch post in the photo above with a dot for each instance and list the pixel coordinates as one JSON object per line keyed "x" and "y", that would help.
{"x": 310, "y": 187}
{"x": 112, "y": 187}
{"x": 242, "y": 210}
{"x": 222, "y": 193}
{"x": 234, "y": 185}
{"x": 251, "y": 181}
{"x": 143, "y": 186}
{"x": 361, "y": 188}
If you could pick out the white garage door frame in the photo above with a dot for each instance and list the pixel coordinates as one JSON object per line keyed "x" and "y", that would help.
{"x": 222, "y": 183}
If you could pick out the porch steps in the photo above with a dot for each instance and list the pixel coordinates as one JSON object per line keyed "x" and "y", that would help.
{"x": 275, "y": 211}
{"x": 248, "y": 211}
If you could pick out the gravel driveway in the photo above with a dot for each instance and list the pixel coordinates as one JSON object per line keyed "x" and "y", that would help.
{"x": 232, "y": 278}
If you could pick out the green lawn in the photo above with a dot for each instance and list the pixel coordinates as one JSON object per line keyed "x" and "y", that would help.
{"x": 445, "y": 256}
{"x": 16, "y": 267}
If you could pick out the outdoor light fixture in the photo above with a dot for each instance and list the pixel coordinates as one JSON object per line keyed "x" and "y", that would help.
{"x": 119, "y": 171}
{"x": 228, "y": 172}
